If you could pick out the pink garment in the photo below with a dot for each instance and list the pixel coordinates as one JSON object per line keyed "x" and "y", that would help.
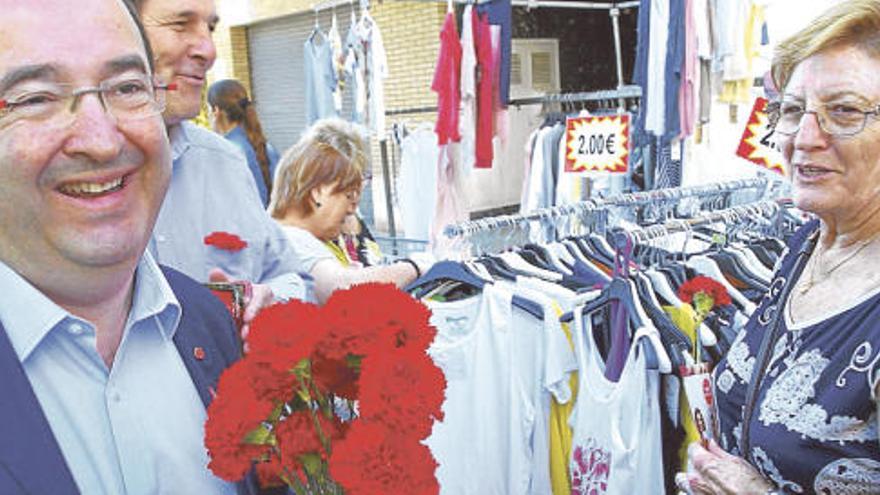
{"x": 447, "y": 83}
{"x": 501, "y": 121}
{"x": 687, "y": 94}
{"x": 485, "y": 92}
{"x": 450, "y": 209}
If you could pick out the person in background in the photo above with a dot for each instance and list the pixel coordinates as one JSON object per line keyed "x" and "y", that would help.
{"x": 233, "y": 115}
{"x": 798, "y": 394}
{"x": 107, "y": 360}
{"x": 317, "y": 187}
{"x": 211, "y": 188}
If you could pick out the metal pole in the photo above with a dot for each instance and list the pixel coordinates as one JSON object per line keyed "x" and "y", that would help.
{"x": 386, "y": 178}
{"x": 615, "y": 24}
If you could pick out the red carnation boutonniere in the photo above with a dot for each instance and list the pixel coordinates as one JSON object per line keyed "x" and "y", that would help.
{"x": 225, "y": 240}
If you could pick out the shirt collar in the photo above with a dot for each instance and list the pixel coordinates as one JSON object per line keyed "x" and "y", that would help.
{"x": 27, "y": 328}
{"x": 180, "y": 140}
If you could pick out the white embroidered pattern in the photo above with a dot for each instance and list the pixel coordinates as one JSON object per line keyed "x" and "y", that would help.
{"x": 787, "y": 402}
{"x": 849, "y": 477}
{"x": 725, "y": 381}
{"x": 769, "y": 470}
{"x": 862, "y": 362}
{"x": 738, "y": 359}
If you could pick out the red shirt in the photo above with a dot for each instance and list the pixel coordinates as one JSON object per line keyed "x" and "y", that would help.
{"x": 446, "y": 83}
{"x": 485, "y": 95}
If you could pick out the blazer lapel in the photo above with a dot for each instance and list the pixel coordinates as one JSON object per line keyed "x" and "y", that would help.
{"x": 29, "y": 453}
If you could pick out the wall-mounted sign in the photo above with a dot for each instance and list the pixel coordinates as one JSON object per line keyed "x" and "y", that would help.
{"x": 758, "y": 144}
{"x": 597, "y": 144}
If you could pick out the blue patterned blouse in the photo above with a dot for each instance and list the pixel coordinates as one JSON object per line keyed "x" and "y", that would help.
{"x": 813, "y": 428}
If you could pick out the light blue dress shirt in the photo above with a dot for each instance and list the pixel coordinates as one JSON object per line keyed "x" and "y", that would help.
{"x": 137, "y": 428}
{"x": 238, "y": 136}
{"x": 212, "y": 191}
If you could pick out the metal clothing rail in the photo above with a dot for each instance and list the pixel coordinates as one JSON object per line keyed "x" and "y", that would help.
{"x": 735, "y": 215}
{"x": 622, "y": 92}
{"x": 587, "y": 207}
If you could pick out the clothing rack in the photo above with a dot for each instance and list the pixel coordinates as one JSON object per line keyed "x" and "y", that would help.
{"x": 332, "y": 4}
{"x": 668, "y": 195}
{"x": 735, "y": 215}
{"x": 622, "y": 92}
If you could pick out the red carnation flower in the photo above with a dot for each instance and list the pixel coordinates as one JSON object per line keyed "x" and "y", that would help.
{"x": 225, "y": 240}
{"x": 709, "y": 287}
{"x": 278, "y": 409}
{"x": 372, "y": 459}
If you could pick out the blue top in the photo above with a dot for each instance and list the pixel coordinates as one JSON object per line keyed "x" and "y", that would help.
{"x": 674, "y": 65}
{"x": 136, "y": 428}
{"x": 814, "y": 425}
{"x": 239, "y": 137}
{"x": 320, "y": 77}
{"x": 501, "y": 14}
{"x": 212, "y": 191}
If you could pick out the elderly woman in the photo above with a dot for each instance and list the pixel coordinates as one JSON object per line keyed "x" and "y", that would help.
{"x": 317, "y": 185}
{"x": 797, "y": 395}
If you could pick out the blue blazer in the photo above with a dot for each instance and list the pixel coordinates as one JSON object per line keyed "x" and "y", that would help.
{"x": 30, "y": 458}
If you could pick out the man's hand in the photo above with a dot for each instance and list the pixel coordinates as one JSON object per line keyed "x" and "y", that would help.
{"x": 717, "y": 472}
{"x": 260, "y": 297}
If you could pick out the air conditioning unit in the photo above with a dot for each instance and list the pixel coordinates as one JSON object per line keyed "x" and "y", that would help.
{"x": 534, "y": 67}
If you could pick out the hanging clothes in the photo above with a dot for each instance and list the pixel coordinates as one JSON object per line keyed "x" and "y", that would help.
{"x": 376, "y": 71}
{"x": 447, "y": 83}
{"x": 417, "y": 183}
{"x": 335, "y": 40}
{"x": 485, "y": 92}
{"x": 320, "y": 77}
{"x": 500, "y": 13}
{"x": 618, "y": 451}
{"x": 655, "y": 106}
{"x": 468, "y": 117}
{"x": 450, "y": 208}
{"x": 687, "y": 96}
{"x": 355, "y": 69}
{"x": 497, "y": 360}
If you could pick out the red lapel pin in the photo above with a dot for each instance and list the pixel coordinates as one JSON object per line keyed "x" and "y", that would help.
{"x": 199, "y": 353}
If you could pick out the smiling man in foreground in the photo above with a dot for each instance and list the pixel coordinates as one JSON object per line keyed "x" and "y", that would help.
{"x": 106, "y": 364}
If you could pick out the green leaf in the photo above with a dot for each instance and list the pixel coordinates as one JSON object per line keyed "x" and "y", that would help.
{"x": 260, "y": 435}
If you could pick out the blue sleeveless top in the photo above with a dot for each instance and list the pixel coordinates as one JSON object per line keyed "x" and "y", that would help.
{"x": 813, "y": 428}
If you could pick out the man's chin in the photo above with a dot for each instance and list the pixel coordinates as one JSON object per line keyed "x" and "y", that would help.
{"x": 175, "y": 114}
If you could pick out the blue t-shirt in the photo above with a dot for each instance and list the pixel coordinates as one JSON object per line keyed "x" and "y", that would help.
{"x": 239, "y": 137}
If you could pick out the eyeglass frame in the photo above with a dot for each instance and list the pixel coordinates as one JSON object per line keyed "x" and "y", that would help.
{"x": 774, "y": 109}
{"x": 74, "y": 94}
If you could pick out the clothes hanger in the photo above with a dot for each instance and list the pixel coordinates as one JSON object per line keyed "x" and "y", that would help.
{"x": 452, "y": 270}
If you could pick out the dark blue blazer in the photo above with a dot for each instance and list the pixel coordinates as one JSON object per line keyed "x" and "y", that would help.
{"x": 30, "y": 459}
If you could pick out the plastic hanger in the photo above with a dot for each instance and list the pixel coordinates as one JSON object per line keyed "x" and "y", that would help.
{"x": 623, "y": 291}
{"x": 452, "y": 270}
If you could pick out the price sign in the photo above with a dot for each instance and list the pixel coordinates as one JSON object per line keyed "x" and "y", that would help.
{"x": 758, "y": 144}
{"x": 597, "y": 144}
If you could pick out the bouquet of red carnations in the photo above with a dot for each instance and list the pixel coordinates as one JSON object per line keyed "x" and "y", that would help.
{"x": 332, "y": 399}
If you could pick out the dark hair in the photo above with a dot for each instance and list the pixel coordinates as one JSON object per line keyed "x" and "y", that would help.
{"x": 231, "y": 97}
{"x": 133, "y": 7}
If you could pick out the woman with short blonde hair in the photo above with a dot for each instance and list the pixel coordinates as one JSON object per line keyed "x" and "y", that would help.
{"x": 317, "y": 186}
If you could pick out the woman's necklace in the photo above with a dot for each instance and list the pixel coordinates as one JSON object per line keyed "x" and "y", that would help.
{"x": 815, "y": 265}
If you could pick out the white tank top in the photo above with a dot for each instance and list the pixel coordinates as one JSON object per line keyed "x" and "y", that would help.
{"x": 616, "y": 426}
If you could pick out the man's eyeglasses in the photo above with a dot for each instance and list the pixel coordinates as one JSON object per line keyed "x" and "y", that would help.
{"x": 836, "y": 119}
{"x": 126, "y": 99}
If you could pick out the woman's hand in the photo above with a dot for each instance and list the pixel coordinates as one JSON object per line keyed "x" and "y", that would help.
{"x": 717, "y": 472}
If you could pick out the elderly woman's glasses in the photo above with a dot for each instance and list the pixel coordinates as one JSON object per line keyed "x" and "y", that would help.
{"x": 836, "y": 119}
{"x": 127, "y": 98}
